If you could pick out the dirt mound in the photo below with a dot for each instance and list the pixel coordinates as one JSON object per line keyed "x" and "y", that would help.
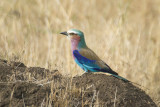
{"x": 35, "y": 86}
{"x": 112, "y": 91}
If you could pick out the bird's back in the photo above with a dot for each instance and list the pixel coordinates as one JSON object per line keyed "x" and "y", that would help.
{"x": 88, "y": 53}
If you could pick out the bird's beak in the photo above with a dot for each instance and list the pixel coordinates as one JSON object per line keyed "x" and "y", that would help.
{"x": 64, "y": 33}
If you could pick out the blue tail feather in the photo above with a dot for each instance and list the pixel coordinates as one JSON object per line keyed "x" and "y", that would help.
{"x": 117, "y": 76}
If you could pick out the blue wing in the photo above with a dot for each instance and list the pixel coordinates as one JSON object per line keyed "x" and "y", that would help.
{"x": 91, "y": 65}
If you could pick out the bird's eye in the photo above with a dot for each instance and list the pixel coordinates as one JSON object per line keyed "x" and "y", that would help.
{"x": 72, "y": 34}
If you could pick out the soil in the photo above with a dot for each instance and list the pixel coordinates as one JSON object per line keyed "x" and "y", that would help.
{"x": 34, "y": 86}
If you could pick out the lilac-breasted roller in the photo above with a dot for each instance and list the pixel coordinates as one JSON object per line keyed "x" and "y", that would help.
{"x": 85, "y": 57}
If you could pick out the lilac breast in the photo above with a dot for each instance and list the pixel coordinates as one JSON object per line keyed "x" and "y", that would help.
{"x": 74, "y": 45}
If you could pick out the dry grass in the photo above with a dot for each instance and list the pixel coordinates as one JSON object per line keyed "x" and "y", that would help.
{"x": 124, "y": 33}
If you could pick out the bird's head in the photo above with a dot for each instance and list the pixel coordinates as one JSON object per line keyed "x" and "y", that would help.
{"x": 75, "y": 36}
{"x": 73, "y": 33}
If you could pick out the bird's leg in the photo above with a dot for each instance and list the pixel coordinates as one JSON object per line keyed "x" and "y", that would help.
{"x": 88, "y": 71}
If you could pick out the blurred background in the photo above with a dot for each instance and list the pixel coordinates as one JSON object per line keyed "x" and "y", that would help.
{"x": 124, "y": 33}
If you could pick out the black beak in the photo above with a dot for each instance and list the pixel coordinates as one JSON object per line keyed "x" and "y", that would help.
{"x": 64, "y": 33}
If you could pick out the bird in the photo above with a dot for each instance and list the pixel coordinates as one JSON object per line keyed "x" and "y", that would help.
{"x": 85, "y": 57}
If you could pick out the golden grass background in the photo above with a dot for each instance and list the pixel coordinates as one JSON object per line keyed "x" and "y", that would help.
{"x": 124, "y": 33}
